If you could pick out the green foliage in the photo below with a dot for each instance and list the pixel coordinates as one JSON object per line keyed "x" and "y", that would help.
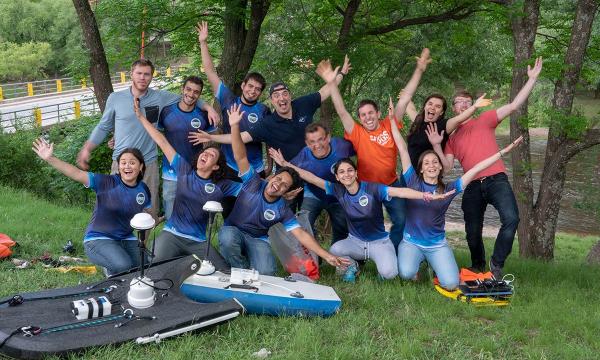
{"x": 23, "y": 169}
{"x": 25, "y": 61}
{"x": 53, "y": 22}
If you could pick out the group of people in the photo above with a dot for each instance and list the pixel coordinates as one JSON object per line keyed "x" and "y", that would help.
{"x": 196, "y": 170}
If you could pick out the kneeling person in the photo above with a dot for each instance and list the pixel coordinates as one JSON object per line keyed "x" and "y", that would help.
{"x": 243, "y": 239}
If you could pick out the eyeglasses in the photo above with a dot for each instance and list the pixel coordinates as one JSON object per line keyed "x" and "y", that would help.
{"x": 461, "y": 101}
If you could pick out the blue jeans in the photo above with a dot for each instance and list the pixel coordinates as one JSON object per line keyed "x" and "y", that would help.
{"x": 114, "y": 255}
{"x": 336, "y": 213}
{"x": 440, "y": 259}
{"x": 241, "y": 250}
{"x": 396, "y": 209}
{"x": 493, "y": 190}
{"x": 168, "y": 195}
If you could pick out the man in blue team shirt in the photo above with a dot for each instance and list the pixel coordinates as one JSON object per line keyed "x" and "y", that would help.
{"x": 118, "y": 116}
{"x": 243, "y": 239}
{"x": 176, "y": 121}
{"x": 254, "y": 111}
{"x": 319, "y": 157}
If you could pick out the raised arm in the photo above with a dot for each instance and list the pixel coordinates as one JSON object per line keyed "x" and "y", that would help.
{"x": 209, "y": 68}
{"x": 325, "y": 90}
{"x": 410, "y": 88}
{"x": 45, "y": 150}
{"x": 411, "y": 111}
{"x": 311, "y": 244}
{"x": 156, "y": 135}
{"x": 469, "y": 175}
{"x": 239, "y": 149}
{"x": 329, "y": 75}
{"x": 200, "y": 137}
{"x": 436, "y": 139}
{"x": 307, "y": 176}
{"x": 408, "y": 193}
{"x": 398, "y": 139}
{"x": 453, "y": 123}
{"x": 523, "y": 94}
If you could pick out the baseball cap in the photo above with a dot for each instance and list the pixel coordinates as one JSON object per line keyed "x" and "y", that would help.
{"x": 279, "y": 85}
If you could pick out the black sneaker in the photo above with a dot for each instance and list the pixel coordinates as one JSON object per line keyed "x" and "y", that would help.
{"x": 496, "y": 270}
{"x": 476, "y": 269}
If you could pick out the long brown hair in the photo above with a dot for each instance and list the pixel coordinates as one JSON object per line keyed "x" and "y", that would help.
{"x": 441, "y": 187}
{"x": 419, "y": 119}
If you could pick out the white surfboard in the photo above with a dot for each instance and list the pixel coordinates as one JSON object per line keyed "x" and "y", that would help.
{"x": 262, "y": 294}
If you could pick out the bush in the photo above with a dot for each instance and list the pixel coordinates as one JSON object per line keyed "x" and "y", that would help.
{"x": 21, "y": 168}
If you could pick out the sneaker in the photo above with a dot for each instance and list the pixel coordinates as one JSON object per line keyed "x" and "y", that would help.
{"x": 476, "y": 269}
{"x": 496, "y": 270}
{"x": 350, "y": 274}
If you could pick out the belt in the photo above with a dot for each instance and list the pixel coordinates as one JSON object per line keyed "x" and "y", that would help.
{"x": 490, "y": 177}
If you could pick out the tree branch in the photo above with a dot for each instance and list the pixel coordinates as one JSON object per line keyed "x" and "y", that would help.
{"x": 589, "y": 139}
{"x": 457, "y": 13}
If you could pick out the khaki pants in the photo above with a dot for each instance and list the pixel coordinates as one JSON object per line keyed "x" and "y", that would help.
{"x": 151, "y": 180}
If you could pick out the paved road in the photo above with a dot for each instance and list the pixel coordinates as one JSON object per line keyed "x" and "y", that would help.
{"x": 54, "y": 108}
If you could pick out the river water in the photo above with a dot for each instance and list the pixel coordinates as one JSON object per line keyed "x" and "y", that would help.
{"x": 582, "y": 188}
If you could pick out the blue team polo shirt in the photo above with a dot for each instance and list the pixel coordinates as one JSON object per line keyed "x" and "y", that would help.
{"x": 253, "y": 214}
{"x": 188, "y": 219}
{"x": 322, "y": 167}
{"x": 288, "y": 134}
{"x": 177, "y": 124}
{"x": 426, "y": 221}
{"x": 116, "y": 204}
{"x": 253, "y": 116}
{"x": 364, "y": 212}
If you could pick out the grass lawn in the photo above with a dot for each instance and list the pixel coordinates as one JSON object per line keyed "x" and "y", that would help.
{"x": 554, "y": 315}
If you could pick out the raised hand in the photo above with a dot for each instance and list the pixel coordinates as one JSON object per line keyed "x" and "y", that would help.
{"x": 432, "y": 134}
{"x": 213, "y": 116}
{"x": 347, "y": 66}
{"x": 43, "y": 149}
{"x": 199, "y": 137}
{"x": 202, "y": 29}
{"x": 391, "y": 114}
{"x": 537, "y": 68}
{"x": 482, "y": 102}
{"x": 277, "y": 156}
{"x": 326, "y": 72}
{"x": 290, "y": 195}
{"x": 136, "y": 107}
{"x": 423, "y": 60}
{"x": 235, "y": 114}
{"x": 511, "y": 146}
{"x": 433, "y": 197}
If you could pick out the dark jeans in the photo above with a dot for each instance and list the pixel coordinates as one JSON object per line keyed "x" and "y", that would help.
{"x": 494, "y": 190}
{"x": 169, "y": 245}
{"x": 396, "y": 209}
{"x": 336, "y": 213}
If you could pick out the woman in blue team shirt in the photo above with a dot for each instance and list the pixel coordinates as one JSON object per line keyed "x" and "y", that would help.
{"x": 198, "y": 182}
{"x": 362, "y": 203}
{"x": 109, "y": 240}
{"x": 424, "y": 235}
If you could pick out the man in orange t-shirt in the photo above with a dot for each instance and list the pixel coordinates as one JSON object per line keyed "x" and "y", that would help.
{"x": 373, "y": 142}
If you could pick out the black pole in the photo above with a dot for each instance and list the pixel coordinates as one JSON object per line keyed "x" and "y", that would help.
{"x": 211, "y": 218}
{"x": 142, "y": 245}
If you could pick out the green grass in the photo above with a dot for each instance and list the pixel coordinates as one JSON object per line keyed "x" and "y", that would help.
{"x": 554, "y": 314}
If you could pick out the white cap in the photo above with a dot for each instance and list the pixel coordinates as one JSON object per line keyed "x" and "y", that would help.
{"x": 142, "y": 221}
{"x": 212, "y": 206}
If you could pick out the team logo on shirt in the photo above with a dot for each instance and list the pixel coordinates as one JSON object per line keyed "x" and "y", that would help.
{"x": 269, "y": 214}
{"x": 195, "y": 123}
{"x": 252, "y": 117}
{"x": 209, "y": 188}
{"x": 140, "y": 198}
{"x": 302, "y": 119}
{"x": 363, "y": 200}
{"x": 382, "y": 138}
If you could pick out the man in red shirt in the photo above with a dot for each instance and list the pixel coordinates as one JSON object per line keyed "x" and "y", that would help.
{"x": 373, "y": 142}
{"x": 473, "y": 141}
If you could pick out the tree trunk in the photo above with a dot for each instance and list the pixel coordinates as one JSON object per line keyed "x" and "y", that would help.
{"x": 99, "y": 72}
{"x": 239, "y": 42}
{"x": 524, "y": 29}
{"x": 593, "y": 257}
{"x": 561, "y": 149}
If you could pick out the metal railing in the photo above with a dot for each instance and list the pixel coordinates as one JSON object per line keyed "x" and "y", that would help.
{"x": 55, "y": 86}
{"x": 47, "y": 115}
